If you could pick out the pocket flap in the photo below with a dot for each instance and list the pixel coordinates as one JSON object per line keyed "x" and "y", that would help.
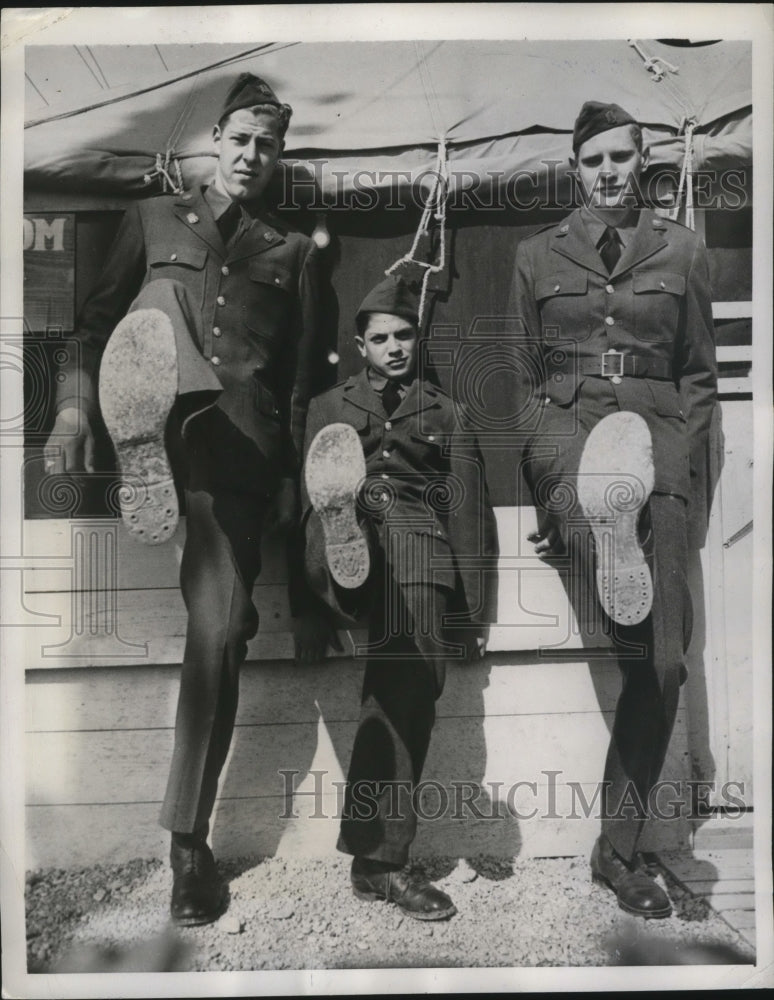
{"x": 270, "y": 273}
{"x": 181, "y": 256}
{"x": 666, "y": 398}
{"x": 430, "y": 437}
{"x": 658, "y": 281}
{"x": 563, "y": 283}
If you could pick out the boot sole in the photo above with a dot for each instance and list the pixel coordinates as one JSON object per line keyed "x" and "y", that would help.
{"x": 615, "y": 479}
{"x": 377, "y": 896}
{"x": 137, "y": 388}
{"x": 334, "y": 469}
{"x": 647, "y": 914}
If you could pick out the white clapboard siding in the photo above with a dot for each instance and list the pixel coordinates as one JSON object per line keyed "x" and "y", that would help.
{"x": 505, "y": 747}
{"x": 94, "y": 597}
{"x": 99, "y": 744}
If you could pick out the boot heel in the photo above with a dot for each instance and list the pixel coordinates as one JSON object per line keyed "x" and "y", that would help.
{"x": 363, "y": 894}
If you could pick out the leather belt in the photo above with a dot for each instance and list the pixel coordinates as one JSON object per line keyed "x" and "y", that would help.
{"x": 611, "y": 364}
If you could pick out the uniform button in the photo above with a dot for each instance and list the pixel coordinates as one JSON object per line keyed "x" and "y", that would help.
{"x": 385, "y": 476}
{"x": 388, "y": 425}
{"x": 225, "y": 270}
{"x": 662, "y": 284}
{"x": 220, "y": 300}
{"x": 616, "y": 380}
{"x": 215, "y": 359}
{"x": 276, "y": 281}
{"x": 431, "y": 437}
{"x": 173, "y": 256}
{"x": 609, "y": 321}
{"x": 216, "y": 331}
{"x": 386, "y": 454}
{"x": 609, "y": 289}
{"x": 557, "y": 287}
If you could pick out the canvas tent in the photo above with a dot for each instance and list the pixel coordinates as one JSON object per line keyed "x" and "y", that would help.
{"x": 101, "y": 119}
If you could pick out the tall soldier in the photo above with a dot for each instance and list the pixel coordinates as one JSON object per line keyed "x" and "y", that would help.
{"x": 616, "y": 307}
{"x": 211, "y": 310}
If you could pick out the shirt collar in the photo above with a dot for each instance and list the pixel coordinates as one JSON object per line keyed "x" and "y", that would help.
{"x": 379, "y": 382}
{"x": 595, "y": 227}
{"x": 219, "y": 202}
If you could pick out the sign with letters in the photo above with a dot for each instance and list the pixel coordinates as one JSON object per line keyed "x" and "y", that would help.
{"x": 49, "y": 271}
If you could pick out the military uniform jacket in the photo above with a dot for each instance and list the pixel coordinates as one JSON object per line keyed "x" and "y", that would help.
{"x": 425, "y": 476}
{"x": 255, "y": 309}
{"x": 655, "y": 306}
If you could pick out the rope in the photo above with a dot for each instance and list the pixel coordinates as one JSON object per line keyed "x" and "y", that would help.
{"x": 434, "y": 207}
{"x": 686, "y": 178}
{"x": 654, "y": 64}
{"x": 163, "y": 166}
{"x": 663, "y": 71}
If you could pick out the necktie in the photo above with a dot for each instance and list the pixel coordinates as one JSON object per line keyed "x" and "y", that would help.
{"x": 390, "y": 398}
{"x": 228, "y": 223}
{"x": 610, "y": 248}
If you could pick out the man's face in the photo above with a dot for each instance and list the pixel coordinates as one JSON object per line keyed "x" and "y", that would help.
{"x": 389, "y": 345}
{"x": 248, "y": 147}
{"x": 609, "y": 166}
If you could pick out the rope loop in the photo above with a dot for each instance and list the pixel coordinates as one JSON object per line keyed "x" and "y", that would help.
{"x": 434, "y": 209}
{"x": 162, "y": 169}
{"x": 686, "y": 177}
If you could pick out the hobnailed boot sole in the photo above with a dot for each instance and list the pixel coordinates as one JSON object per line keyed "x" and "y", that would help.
{"x": 615, "y": 479}
{"x": 334, "y": 469}
{"x": 137, "y": 388}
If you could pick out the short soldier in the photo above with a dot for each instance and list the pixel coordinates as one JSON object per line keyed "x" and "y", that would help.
{"x": 211, "y": 308}
{"x": 398, "y": 527}
{"x": 615, "y": 303}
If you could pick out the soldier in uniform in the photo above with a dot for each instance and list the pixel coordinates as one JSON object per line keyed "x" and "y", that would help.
{"x": 398, "y": 528}
{"x": 618, "y": 391}
{"x": 209, "y": 310}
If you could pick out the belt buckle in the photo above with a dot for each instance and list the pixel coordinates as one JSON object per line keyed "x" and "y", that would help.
{"x": 612, "y": 365}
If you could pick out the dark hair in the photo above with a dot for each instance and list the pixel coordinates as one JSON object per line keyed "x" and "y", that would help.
{"x": 281, "y": 114}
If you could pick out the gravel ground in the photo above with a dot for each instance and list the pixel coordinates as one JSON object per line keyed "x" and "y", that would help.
{"x": 300, "y": 914}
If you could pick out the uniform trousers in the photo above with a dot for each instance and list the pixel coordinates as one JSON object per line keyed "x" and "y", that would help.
{"x": 650, "y": 655}
{"x": 404, "y": 676}
{"x": 221, "y": 561}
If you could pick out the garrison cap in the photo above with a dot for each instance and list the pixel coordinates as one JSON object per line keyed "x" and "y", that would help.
{"x": 249, "y": 90}
{"x": 594, "y": 118}
{"x": 392, "y": 296}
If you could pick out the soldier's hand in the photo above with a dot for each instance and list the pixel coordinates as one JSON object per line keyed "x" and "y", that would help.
{"x": 313, "y": 634}
{"x": 477, "y": 649}
{"x": 283, "y": 513}
{"x": 70, "y": 447}
{"x": 547, "y": 539}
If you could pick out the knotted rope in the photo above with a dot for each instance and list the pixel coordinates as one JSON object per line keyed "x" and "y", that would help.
{"x": 435, "y": 208}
